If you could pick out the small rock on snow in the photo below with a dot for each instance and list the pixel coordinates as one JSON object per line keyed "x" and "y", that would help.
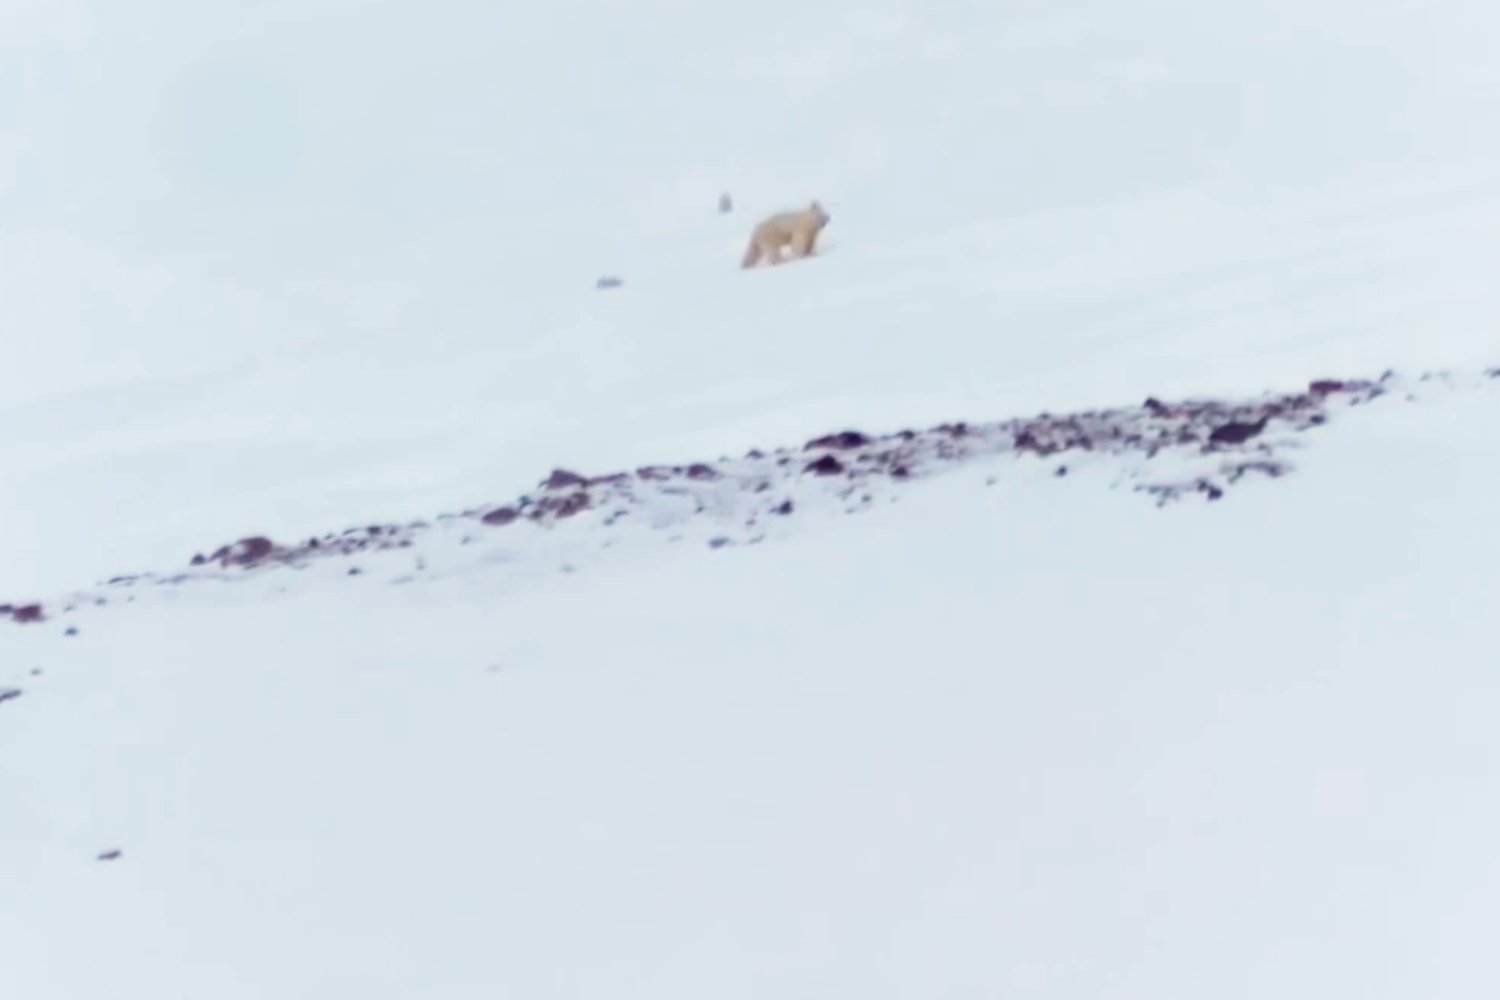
{"x": 825, "y": 466}
{"x": 1237, "y": 432}
{"x": 842, "y": 441}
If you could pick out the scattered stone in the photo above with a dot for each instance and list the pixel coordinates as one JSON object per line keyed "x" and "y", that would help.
{"x": 246, "y": 552}
{"x": 718, "y": 543}
{"x": 1237, "y": 432}
{"x": 827, "y": 465}
{"x": 1145, "y": 431}
{"x": 26, "y": 614}
{"x": 560, "y": 507}
{"x": 500, "y": 516}
{"x": 1270, "y": 469}
{"x": 842, "y": 441}
{"x": 1027, "y": 440}
{"x": 609, "y": 281}
{"x": 726, "y": 203}
{"x": 110, "y": 855}
{"x": 6, "y": 694}
{"x": 562, "y": 479}
{"x": 71, "y": 630}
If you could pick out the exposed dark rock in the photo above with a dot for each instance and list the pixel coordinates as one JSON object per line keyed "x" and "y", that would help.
{"x": 1027, "y": 440}
{"x": 500, "y": 516}
{"x": 27, "y": 614}
{"x": 1154, "y": 427}
{"x": 111, "y": 855}
{"x": 826, "y": 465}
{"x": 1272, "y": 469}
{"x": 1237, "y": 432}
{"x": 6, "y": 694}
{"x": 562, "y": 479}
{"x": 561, "y": 507}
{"x": 245, "y": 552}
{"x": 842, "y": 441}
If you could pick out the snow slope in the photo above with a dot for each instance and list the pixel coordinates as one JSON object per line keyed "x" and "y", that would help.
{"x": 288, "y": 268}
{"x": 278, "y": 267}
{"x": 1034, "y": 738}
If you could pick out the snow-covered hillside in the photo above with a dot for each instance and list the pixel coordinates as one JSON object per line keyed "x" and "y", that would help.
{"x": 1015, "y": 734}
{"x": 277, "y": 267}
{"x": 1109, "y": 657}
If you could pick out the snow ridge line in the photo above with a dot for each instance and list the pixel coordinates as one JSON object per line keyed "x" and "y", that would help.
{"x": 1222, "y": 442}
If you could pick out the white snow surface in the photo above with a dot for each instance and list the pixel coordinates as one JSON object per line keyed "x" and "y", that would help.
{"x": 281, "y": 266}
{"x": 289, "y": 268}
{"x": 1024, "y": 738}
